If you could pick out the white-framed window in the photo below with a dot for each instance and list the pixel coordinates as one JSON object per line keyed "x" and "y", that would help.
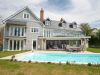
{"x": 47, "y": 22}
{"x": 35, "y": 30}
{"x": 26, "y": 15}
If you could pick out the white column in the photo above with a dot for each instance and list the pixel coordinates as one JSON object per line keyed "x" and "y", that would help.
{"x": 9, "y": 31}
{"x": 13, "y": 31}
{"x": 42, "y": 44}
{"x": 23, "y": 44}
{"x": 24, "y": 31}
{"x": 12, "y": 44}
{"x": 8, "y": 44}
{"x": 19, "y": 44}
{"x": 16, "y": 45}
{"x": 85, "y": 44}
{"x": 20, "y": 31}
{"x": 17, "y": 30}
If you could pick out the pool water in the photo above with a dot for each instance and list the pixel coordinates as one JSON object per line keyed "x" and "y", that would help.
{"x": 61, "y": 57}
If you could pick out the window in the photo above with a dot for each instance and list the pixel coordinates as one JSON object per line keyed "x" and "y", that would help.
{"x": 26, "y": 15}
{"x": 11, "y": 33}
{"x": 15, "y": 31}
{"x": 22, "y": 31}
{"x": 47, "y": 23}
{"x": 60, "y": 24}
{"x": 35, "y": 30}
{"x": 34, "y": 44}
{"x": 10, "y": 44}
{"x": 71, "y": 25}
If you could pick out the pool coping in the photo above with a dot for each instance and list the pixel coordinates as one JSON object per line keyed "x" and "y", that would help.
{"x": 85, "y": 52}
{"x": 63, "y": 52}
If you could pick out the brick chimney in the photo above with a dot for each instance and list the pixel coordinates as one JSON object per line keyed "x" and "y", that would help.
{"x": 41, "y": 15}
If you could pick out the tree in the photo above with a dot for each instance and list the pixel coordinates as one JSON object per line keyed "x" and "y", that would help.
{"x": 86, "y": 29}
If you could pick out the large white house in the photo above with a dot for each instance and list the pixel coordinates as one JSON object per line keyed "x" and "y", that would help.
{"x": 25, "y": 31}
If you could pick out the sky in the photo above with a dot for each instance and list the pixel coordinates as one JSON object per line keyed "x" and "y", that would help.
{"x": 81, "y": 11}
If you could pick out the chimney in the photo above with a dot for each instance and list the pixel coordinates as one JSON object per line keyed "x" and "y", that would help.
{"x": 41, "y": 15}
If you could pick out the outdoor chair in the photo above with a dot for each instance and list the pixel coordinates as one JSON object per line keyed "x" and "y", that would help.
{"x": 80, "y": 48}
{"x": 68, "y": 48}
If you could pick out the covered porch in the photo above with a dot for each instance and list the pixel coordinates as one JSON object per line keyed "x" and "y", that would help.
{"x": 61, "y": 43}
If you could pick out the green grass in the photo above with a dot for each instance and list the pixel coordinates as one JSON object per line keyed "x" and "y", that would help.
{"x": 7, "y": 53}
{"x": 95, "y": 50}
{"x": 20, "y": 68}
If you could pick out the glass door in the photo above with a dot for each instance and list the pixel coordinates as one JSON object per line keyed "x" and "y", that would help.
{"x": 34, "y": 44}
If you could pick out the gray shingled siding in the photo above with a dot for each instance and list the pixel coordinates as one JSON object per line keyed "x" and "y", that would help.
{"x": 33, "y": 22}
{"x": 31, "y": 35}
{"x": 20, "y": 15}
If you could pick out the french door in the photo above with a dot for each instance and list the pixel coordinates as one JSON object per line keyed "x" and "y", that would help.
{"x": 34, "y": 44}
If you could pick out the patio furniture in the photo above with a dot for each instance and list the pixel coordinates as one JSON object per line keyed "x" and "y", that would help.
{"x": 68, "y": 48}
{"x": 81, "y": 48}
{"x": 74, "y": 49}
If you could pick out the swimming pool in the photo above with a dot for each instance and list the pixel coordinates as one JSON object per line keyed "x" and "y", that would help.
{"x": 61, "y": 57}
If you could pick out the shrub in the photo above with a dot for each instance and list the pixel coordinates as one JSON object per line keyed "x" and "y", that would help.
{"x": 12, "y": 58}
{"x": 89, "y": 64}
{"x": 48, "y": 62}
{"x": 67, "y": 62}
{"x": 15, "y": 60}
{"x": 29, "y": 61}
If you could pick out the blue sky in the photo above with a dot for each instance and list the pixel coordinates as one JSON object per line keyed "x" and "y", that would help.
{"x": 59, "y": 5}
{"x": 71, "y": 10}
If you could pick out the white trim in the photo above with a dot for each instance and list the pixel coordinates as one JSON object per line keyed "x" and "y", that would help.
{"x": 12, "y": 44}
{"x": 64, "y": 38}
{"x": 8, "y": 44}
{"x": 26, "y": 14}
{"x": 33, "y": 29}
{"x": 26, "y": 7}
{"x": 19, "y": 44}
{"x": 3, "y": 38}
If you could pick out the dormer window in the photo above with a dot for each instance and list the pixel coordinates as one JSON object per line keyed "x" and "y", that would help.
{"x": 71, "y": 25}
{"x": 26, "y": 16}
{"x": 47, "y": 22}
{"x": 75, "y": 25}
{"x": 60, "y": 24}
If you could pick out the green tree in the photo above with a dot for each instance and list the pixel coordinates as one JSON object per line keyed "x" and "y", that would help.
{"x": 86, "y": 29}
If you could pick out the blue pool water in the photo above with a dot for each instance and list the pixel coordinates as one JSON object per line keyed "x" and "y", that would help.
{"x": 61, "y": 57}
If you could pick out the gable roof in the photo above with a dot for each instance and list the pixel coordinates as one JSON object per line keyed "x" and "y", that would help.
{"x": 26, "y": 7}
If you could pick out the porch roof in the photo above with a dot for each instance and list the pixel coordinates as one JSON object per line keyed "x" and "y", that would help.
{"x": 65, "y": 38}
{"x": 13, "y": 37}
{"x": 17, "y": 21}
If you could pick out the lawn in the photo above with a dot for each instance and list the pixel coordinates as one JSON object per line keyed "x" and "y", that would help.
{"x": 22, "y": 68}
{"x": 7, "y": 53}
{"x": 95, "y": 50}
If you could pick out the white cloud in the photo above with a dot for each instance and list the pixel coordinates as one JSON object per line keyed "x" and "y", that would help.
{"x": 82, "y": 11}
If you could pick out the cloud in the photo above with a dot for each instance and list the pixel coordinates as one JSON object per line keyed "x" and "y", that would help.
{"x": 8, "y": 7}
{"x": 81, "y": 11}
{"x": 71, "y": 10}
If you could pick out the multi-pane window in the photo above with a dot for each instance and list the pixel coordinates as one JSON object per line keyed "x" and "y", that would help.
{"x": 47, "y": 23}
{"x": 26, "y": 15}
{"x": 35, "y": 30}
{"x": 16, "y": 44}
{"x": 17, "y": 31}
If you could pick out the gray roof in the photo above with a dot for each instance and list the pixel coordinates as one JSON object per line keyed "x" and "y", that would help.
{"x": 55, "y": 25}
